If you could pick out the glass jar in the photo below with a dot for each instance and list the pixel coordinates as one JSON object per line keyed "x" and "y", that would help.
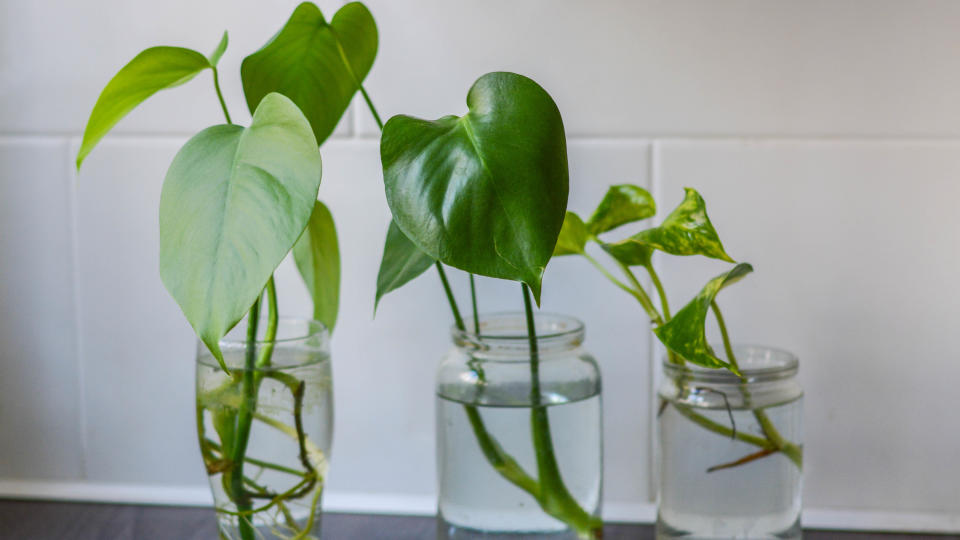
{"x": 519, "y": 432}
{"x": 265, "y": 432}
{"x": 730, "y": 449}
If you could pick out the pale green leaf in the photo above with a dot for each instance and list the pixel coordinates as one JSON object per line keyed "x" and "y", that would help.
{"x": 233, "y": 204}
{"x": 317, "y": 255}
{"x": 218, "y": 52}
{"x": 149, "y": 72}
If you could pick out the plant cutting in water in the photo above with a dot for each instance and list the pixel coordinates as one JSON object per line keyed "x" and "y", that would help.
{"x": 685, "y": 231}
{"x": 235, "y": 201}
{"x": 486, "y": 193}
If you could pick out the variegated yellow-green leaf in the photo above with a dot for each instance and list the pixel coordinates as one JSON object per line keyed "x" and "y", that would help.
{"x": 622, "y": 204}
{"x": 317, "y": 255}
{"x": 402, "y": 262}
{"x": 573, "y": 236}
{"x": 685, "y": 334}
{"x": 485, "y": 192}
{"x": 629, "y": 252}
{"x": 686, "y": 231}
{"x": 233, "y": 204}
{"x": 149, "y": 72}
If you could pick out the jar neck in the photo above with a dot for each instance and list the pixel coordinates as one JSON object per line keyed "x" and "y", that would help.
{"x": 757, "y": 364}
{"x": 505, "y": 334}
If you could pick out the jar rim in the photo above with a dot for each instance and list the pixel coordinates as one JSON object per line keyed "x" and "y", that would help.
{"x": 312, "y": 336}
{"x": 314, "y": 328}
{"x": 552, "y": 329}
{"x": 758, "y": 363}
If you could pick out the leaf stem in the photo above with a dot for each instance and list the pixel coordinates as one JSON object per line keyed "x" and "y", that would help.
{"x": 216, "y": 86}
{"x": 242, "y": 433}
{"x": 638, "y": 294}
{"x": 373, "y": 110}
{"x": 660, "y": 292}
{"x": 473, "y": 298}
{"x": 555, "y": 499}
{"x": 791, "y": 450}
{"x": 453, "y": 301}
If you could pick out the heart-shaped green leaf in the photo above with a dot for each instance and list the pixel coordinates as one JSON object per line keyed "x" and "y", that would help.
{"x": 402, "y": 262}
{"x": 686, "y": 231}
{"x": 685, "y": 334}
{"x": 149, "y": 72}
{"x": 485, "y": 192}
{"x": 233, "y": 204}
{"x": 319, "y": 65}
{"x": 622, "y": 204}
{"x": 573, "y": 236}
{"x": 629, "y": 252}
{"x": 317, "y": 255}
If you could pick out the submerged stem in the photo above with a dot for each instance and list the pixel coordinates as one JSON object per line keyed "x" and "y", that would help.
{"x": 555, "y": 499}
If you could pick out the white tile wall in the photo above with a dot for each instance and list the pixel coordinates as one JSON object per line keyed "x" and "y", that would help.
{"x": 855, "y": 253}
{"x": 824, "y": 136}
{"x": 40, "y": 417}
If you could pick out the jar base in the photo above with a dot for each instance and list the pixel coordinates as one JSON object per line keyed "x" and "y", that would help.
{"x": 668, "y": 531}
{"x": 450, "y": 531}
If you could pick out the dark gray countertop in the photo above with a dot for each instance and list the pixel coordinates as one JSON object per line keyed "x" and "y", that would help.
{"x": 34, "y": 520}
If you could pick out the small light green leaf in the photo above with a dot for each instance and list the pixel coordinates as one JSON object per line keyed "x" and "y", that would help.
{"x": 685, "y": 334}
{"x": 319, "y": 65}
{"x": 573, "y": 236}
{"x": 234, "y": 202}
{"x": 485, "y": 192}
{"x": 317, "y": 255}
{"x": 149, "y": 72}
{"x": 686, "y": 231}
{"x": 622, "y": 204}
{"x": 217, "y": 53}
{"x": 629, "y": 252}
{"x": 402, "y": 262}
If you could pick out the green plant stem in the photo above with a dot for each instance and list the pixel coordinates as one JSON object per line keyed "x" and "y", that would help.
{"x": 793, "y": 451}
{"x": 373, "y": 110}
{"x": 502, "y": 462}
{"x": 473, "y": 299}
{"x": 660, "y": 292}
{"x": 223, "y": 104}
{"x": 555, "y": 498}
{"x": 639, "y": 294}
{"x": 453, "y": 302}
{"x": 242, "y": 432}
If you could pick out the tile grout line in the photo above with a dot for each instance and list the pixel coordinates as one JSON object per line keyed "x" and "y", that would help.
{"x": 653, "y": 170}
{"x": 72, "y": 178}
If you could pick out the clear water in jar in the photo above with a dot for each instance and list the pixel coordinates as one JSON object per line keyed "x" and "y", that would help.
{"x": 275, "y": 461}
{"x": 759, "y": 499}
{"x": 475, "y": 500}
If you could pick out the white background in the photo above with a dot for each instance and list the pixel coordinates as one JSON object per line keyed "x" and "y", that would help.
{"x": 824, "y": 136}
